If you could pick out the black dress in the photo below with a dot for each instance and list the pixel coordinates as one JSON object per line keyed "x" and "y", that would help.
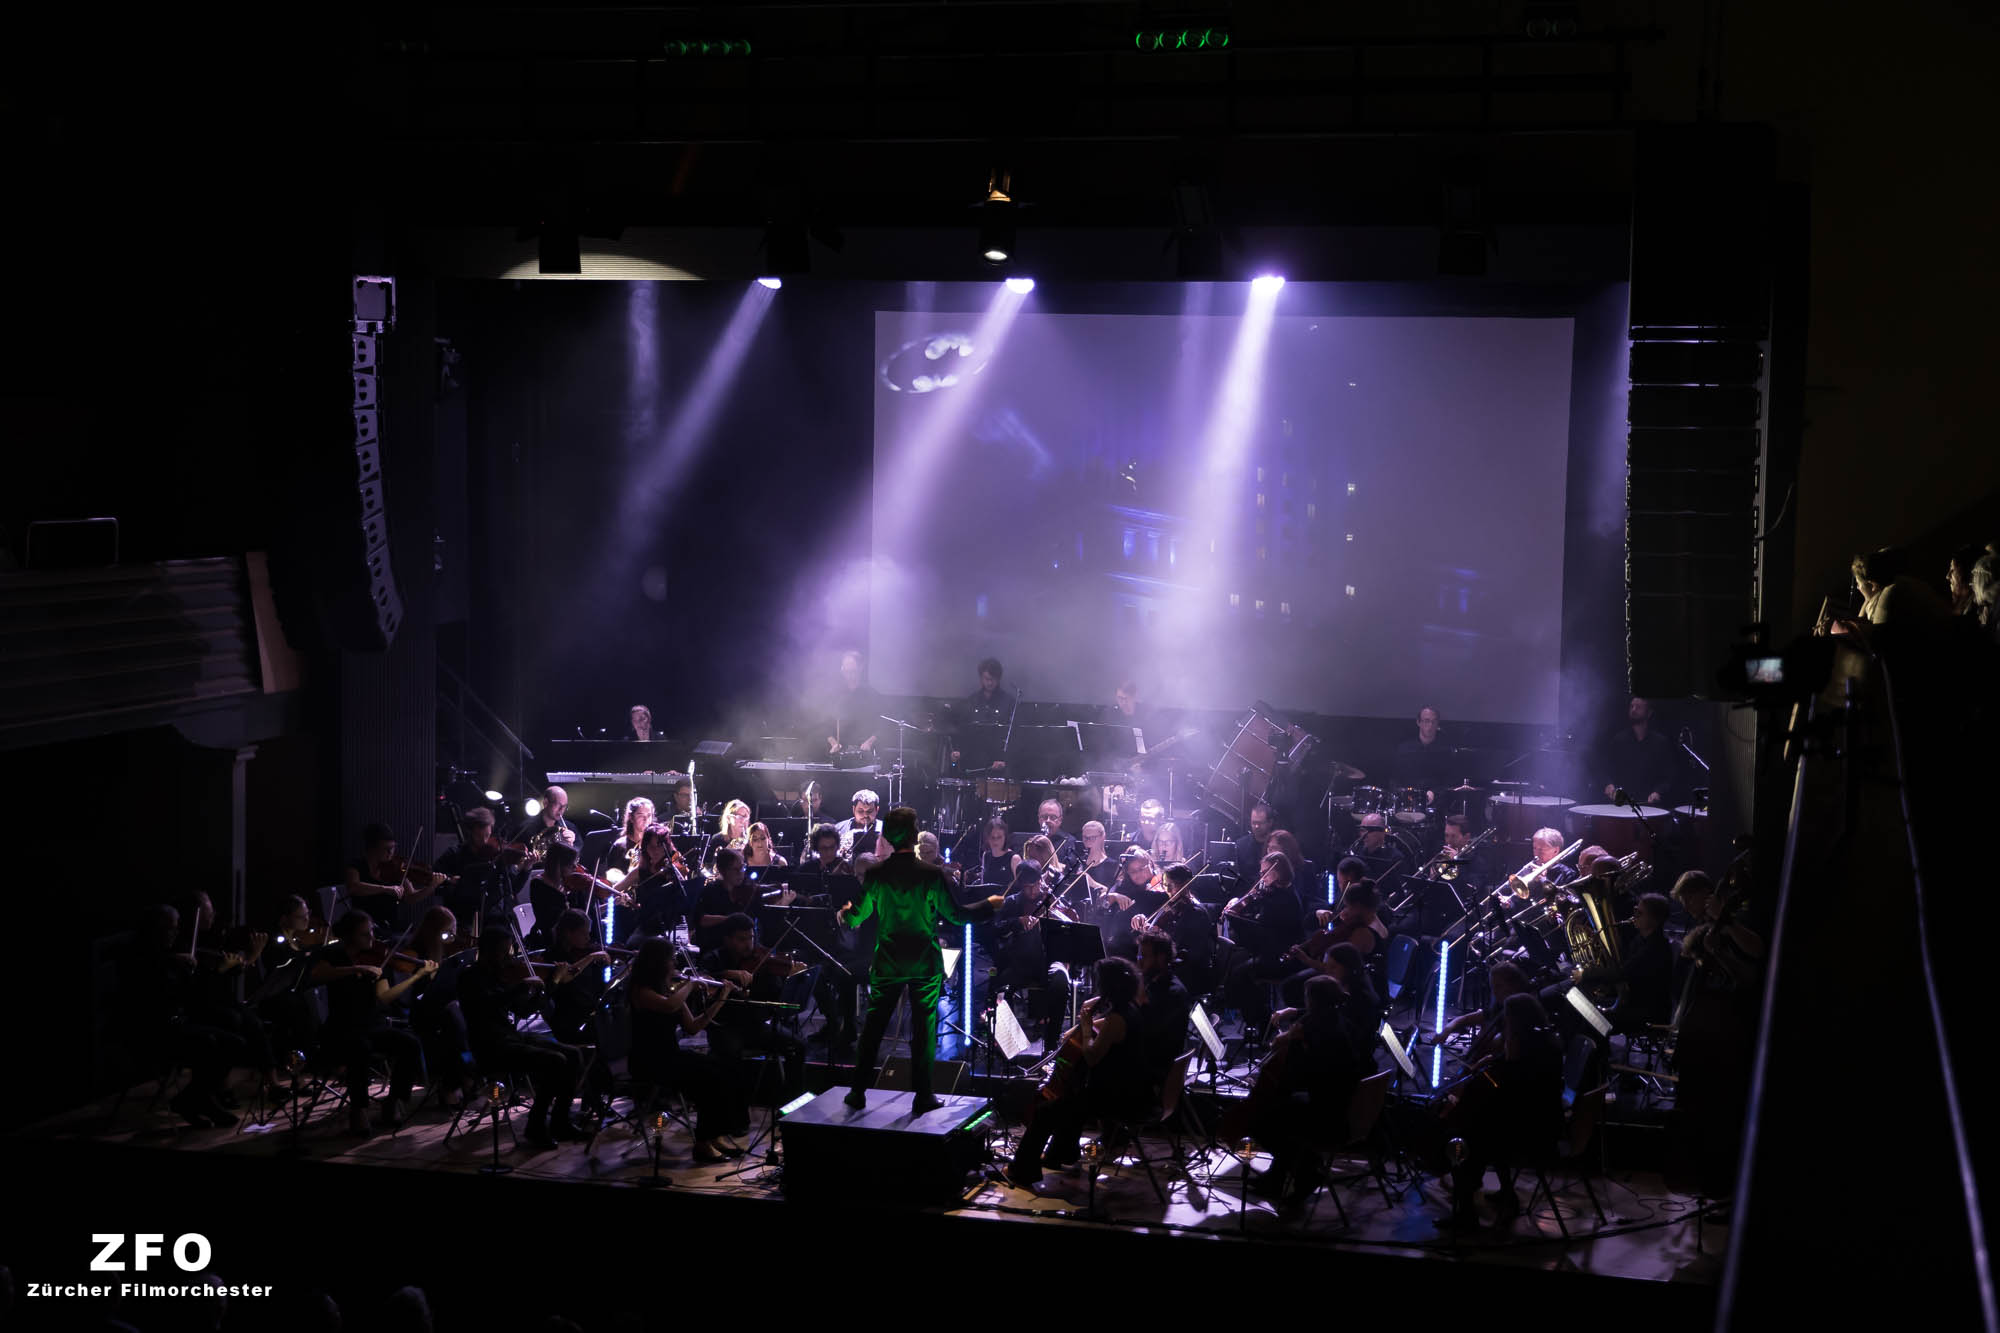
{"x": 658, "y": 1060}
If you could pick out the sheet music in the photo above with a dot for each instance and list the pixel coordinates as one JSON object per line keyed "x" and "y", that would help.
{"x": 951, "y": 962}
{"x": 1206, "y": 1031}
{"x": 1591, "y": 1013}
{"x": 1396, "y": 1051}
{"x": 1007, "y": 1033}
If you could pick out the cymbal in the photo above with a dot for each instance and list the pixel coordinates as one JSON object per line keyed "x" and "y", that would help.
{"x": 1347, "y": 772}
{"x": 1467, "y": 787}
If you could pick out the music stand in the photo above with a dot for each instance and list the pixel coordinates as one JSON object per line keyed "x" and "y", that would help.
{"x": 1076, "y": 945}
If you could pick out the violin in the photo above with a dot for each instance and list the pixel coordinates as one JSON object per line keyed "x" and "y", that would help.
{"x": 1066, "y": 1074}
{"x": 592, "y": 890}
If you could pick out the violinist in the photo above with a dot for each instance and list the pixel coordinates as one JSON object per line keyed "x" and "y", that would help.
{"x": 1107, "y": 1047}
{"x": 1264, "y": 924}
{"x": 1191, "y": 926}
{"x": 357, "y": 1020}
{"x": 623, "y": 854}
{"x": 1313, "y": 1070}
{"x": 1099, "y": 864}
{"x": 152, "y": 984}
{"x": 1360, "y": 1008}
{"x": 379, "y": 880}
{"x": 658, "y": 881}
{"x": 575, "y": 990}
{"x": 547, "y": 892}
{"x": 1139, "y": 891}
{"x": 741, "y": 1028}
{"x": 542, "y": 827}
{"x": 823, "y": 865}
{"x": 665, "y": 1006}
{"x": 499, "y": 985}
{"x": 1517, "y": 1115}
{"x": 476, "y": 869}
{"x": 1023, "y": 961}
{"x": 280, "y": 977}
{"x": 211, "y": 986}
{"x": 433, "y": 1016}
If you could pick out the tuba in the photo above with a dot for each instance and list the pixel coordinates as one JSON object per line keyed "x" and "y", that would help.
{"x": 1591, "y": 929}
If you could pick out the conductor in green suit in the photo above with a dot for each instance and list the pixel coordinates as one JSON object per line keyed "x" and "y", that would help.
{"x": 907, "y": 898}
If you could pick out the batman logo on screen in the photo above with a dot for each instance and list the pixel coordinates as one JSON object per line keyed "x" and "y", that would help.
{"x": 928, "y": 364}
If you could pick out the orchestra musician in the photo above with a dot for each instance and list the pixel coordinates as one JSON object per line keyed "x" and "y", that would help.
{"x": 1545, "y": 846}
{"x": 1139, "y": 891}
{"x": 211, "y": 986}
{"x": 278, "y": 989}
{"x": 1360, "y": 1004}
{"x": 1374, "y": 847}
{"x": 827, "y": 878}
{"x": 857, "y": 713}
{"x": 1264, "y": 924}
{"x": 665, "y": 1007}
{"x": 547, "y": 892}
{"x": 685, "y": 819}
{"x": 732, "y": 831}
{"x": 1351, "y": 871}
{"x": 1164, "y": 1005}
{"x": 1639, "y": 759}
{"x": 861, "y": 822}
{"x": 741, "y": 1027}
{"x": 996, "y": 863}
{"x": 1643, "y": 975}
{"x": 473, "y": 870}
{"x": 1461, "y": 858}
{"x": 152, "y": 979}
{"x": 657, "y": 882}
{"x": 1049, "y": 817}
{"x": 623, "y": 854}
{"x": 1502, "y": 980}
{"x": 1312, "y": 1072}
{"x": 1018, "y": 949}
{"x": 757, "y": 848}
{"x": 1424, "y": 760}
{"x": 1167, "y": 848}
{"x": 1517, "y": 1115}
{"x": 1152, "y": 814}
{"x": 1096, "y": 862}
{"x": 908, "y": 898}
{"x": 721, "y": 898}
{"x": 1107, "y": 1052}
{"x": 986, "y": 706}
{"x": 575, "y": 990}
{"x": 1190, "y": 924}
{"x": 497, "y": 987}
{"x": 1250, "y": 848}
{"x": 542, "y": 828}
{"x": 639, "y": 725}
{"x": 1281, "y": 840}
{"x": 1353, "y": 924}
{"x": 377, "y": 874}
{"x": 434, "y": 1014}
{"x": 357, "y": 1020}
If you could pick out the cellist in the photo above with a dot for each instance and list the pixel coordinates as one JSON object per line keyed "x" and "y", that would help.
{"x": 1100, "y": 1071}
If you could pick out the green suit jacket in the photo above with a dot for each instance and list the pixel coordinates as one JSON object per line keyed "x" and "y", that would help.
{"x": 907, "y": 899}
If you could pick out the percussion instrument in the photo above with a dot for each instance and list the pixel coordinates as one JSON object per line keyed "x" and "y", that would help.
{"x": 997, "y": 791}
{"x": 1243, "y": 774}
{"x": 1411, "y": 806}
{"x": 1616, "y": 828}
{"x": 1517, "y": 817}
{"x": 1369, "y": 801}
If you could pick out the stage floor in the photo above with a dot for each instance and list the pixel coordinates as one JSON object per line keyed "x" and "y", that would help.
{"x": 1650, "y": 1232}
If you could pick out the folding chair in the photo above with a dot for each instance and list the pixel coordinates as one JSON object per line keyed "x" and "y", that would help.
{"x": 1364, "y": 1118}
{"x": 1165, "y": 1118}
{"x": 1571, "y": 1153}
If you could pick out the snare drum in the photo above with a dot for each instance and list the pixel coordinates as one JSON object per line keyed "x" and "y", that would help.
{"x": 1616, "y": 828}
{"x": 1517, "y": 817}
{"x": 1370, "y": 801}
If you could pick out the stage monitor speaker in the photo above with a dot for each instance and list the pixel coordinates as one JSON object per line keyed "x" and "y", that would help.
{"x": 946, "y": 1075}
{"x": 883, "y": 1153}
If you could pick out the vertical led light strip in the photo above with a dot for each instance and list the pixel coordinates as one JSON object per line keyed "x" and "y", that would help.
{"x": 1330, "y": 882}
{"x": 964, "y": 982}
{"x": 610, "y": 932}
{"x": 1437, "y": 1050}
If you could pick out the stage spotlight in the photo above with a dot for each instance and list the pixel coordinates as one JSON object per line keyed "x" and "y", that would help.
{"x": 1267, "y": 282}
{"x": 1020, "y": 286}
{"x": 531, "y": 807}
{"x": 996, "y": 220}
{"x": 494, "y": 796}
{"x": 774, "y": 283}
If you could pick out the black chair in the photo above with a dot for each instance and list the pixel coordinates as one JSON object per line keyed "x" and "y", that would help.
{"x": 1166, "y": 1118}
{"x": 1570, "y": 1155}
{"x": 1363, "y": 1134}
